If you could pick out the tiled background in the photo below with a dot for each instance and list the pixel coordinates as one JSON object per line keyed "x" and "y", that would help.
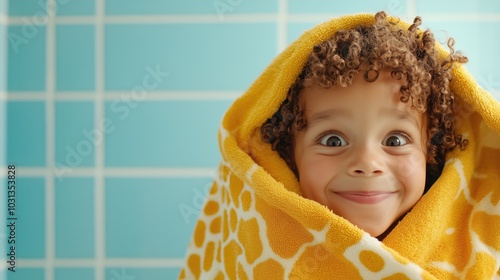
{"x": 110, "y": 110}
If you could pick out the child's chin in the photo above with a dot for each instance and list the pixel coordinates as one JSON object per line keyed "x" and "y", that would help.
{"x": 375, "y": 230}
{"x": 379, "y": 231}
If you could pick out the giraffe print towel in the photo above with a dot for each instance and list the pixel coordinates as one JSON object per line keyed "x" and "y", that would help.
{"x": 255, "y": 224}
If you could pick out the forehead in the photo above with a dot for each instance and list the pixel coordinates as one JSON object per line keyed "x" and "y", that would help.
{"x": 381, "y": 96}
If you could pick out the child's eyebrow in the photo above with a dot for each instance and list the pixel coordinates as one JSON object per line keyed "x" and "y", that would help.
{"x": 400, "y": 114}
{"x": 329, "y": 114}
{"x": 334, "y": 113}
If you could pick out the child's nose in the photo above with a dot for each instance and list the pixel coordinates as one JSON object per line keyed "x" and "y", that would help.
{"x": 367, "y": 171}
{"x": 366, "y": 162}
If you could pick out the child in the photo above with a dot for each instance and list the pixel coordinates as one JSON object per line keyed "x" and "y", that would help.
{"x": 326, "y": 157}
{"x": 369, "y": 116}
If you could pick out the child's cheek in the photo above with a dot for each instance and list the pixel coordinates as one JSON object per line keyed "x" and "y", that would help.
{"x": 315, "y": 175}
{"x": 412, "y": 167}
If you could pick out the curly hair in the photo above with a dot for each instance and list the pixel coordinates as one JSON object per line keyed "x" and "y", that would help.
{"x": 409, "y": 54}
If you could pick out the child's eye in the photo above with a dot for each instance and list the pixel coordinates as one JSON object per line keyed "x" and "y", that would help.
{"x": 333, "y": 140}
{"x": 395, "y": 140}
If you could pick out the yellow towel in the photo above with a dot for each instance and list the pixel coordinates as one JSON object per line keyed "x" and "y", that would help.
{"x": 256, "y": 225}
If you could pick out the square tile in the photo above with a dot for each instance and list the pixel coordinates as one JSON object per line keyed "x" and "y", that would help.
{"x": 158, "y": 214}
{"x": 473, "y": 38}
{"x": 3, "y": 56}
{"x": 3, "y": 132}
{"x": 4, "y": 8}
{"x": 75, "y": 7}
{"x": 394, "y": 7}
{"x": 26, "y": 7}
{"x": 193, "y": 56}
{"x": 118, "y": 273}
{"x": 459, "y": 6}
{"x": 134, "y": 7}
{"x": 26, "y": 63}
{"x": 296, "y": 29}
{"x": 75, "y": 63}
{"x": 75, "y": 135}
{"x": 74, "y": 218}
{"x": 163, "y": 133}
{"x": 74, "y": 273}
{"x": 27, "y": 273}
{"x": 30, "y": 214}
{"x": 26, "y": 133}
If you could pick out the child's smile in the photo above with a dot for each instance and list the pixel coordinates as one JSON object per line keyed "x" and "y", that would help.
{"x": 362, "y": 153}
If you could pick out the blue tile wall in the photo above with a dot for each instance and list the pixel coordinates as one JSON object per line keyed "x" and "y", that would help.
{"x": 74, "y": 273}
{"x": 25, "y": 7}
{"x": 3, "y": 213}
{"x": 150, "y": 210}
{"x": 395, "y": 7}
{"x": 26, "y": 63}
{"x": 76, "y": 139}
{"x": 148, "y": 81}
{"x": 75, "y": 7}
{"x": 3, "y": 131}
{"x": 134, "y": 7}
{"x": 3, "y": 8}
{"x": 3, "y": 124}
{"x": 74, "y": 221}
{"x": 115, "y": 273}
{"x": 460, "y": 6}
{"x": 3, "y": 87}
{"x": 4, "y": 43}
{"x": 481, "y": 50}
{"x": 209, "y": 54}
{"x": 27, "y": 273}
{"x": 297, "y": 28}
{"x": 75, "y": 52}
{"x": 30, "y": 213}
{"x": 174, "y": 133}
{"x": 26, "y": 133}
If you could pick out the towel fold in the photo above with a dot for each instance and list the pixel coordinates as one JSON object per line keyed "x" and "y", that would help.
{"x": 256, "y": 225}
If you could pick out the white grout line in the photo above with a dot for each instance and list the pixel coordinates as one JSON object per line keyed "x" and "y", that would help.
{"x": 99, "y": 192}
{"x": 120, "y": 172}
{"x": 412, "y": 10}
{"x": 315, "y": 18}
{"x": 178, "y": 95}
{"x": 34, "y": 172}
{"x": 282, "y": 25}
{"x": 472, "y": 17}
{"x": 149, "y": 19}
{"x": 159, "y": 172}
{"x": 91, "y": 263}
{"x": 70, "y": 20}
{"x": 75, "y": 96}
{"x": 202, "y": 18}
{"x": 237, "y": 18}
{"x": 50, "y": 149}
{"x": 116, "y": 95}
{"x": 127, "y": 172}
{"x": 26, "y": 96}
{"x": 112, "y": 262}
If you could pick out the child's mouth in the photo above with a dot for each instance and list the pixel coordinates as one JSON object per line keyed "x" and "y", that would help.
{"x": 365, "y": 197}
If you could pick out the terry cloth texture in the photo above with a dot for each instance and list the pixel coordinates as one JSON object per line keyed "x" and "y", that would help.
{"x": 256, "y": 225}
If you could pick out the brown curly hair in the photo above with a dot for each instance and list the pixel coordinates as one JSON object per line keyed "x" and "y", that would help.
{"x": 409, "y": 54}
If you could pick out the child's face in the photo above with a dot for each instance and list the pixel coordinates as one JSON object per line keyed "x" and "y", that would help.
{"x": 362, "y": 153}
